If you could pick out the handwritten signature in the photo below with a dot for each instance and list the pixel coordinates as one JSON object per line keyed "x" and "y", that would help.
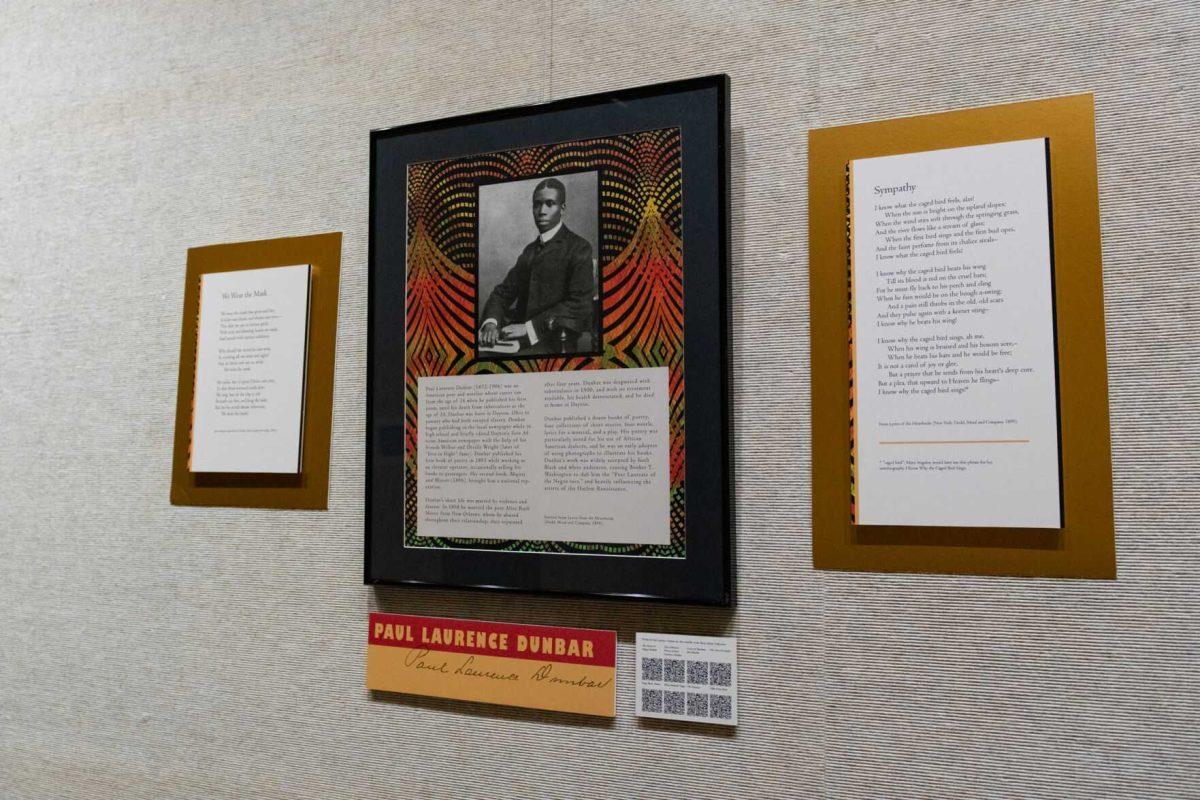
{"x": 420, "y": 660}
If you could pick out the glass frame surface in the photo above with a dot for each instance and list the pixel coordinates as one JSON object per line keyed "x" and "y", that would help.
{"x": 692, "y": 118}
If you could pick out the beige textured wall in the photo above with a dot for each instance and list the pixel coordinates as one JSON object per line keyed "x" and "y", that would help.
{"x": 156, "y": 652}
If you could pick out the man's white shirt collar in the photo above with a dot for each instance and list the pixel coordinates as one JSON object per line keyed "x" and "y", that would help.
{"x": 548, "y": 235}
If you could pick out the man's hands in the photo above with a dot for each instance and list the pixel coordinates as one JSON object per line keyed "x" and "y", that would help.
{"x": 491, "y": 333}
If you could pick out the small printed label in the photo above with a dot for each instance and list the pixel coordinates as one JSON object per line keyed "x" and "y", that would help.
{"x": 691, "y": 678}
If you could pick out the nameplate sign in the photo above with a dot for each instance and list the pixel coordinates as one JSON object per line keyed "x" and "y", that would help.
{"x": 533, "y": 666}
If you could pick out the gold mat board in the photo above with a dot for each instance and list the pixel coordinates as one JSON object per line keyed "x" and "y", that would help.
{"x": 1085, "y": 546}
{"x": 310, "y": 488}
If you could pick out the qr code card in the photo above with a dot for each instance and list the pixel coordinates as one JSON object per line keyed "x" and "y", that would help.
{"x": 691, "y": 678}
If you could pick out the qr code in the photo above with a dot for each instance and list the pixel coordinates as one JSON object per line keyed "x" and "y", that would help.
{"x": 721, "y": 674}
{"x": 673, "y": 703}
{"x": 652, "y": 669}
{"x": 652, "y": 700}
{"x": 698, "y": 672}
{"x": 721, "y": 706}
{"x": 697, "y": 705}
{"x": 673, "y": 671}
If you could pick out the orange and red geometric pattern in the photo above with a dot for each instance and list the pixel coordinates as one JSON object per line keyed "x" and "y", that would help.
{"x": 641, "y": 276}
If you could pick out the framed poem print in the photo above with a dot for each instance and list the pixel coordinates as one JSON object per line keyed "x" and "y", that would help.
{"x": 254, "y": 407}
{"x": 955, "y": 268}
{"x": 547, "y": 386}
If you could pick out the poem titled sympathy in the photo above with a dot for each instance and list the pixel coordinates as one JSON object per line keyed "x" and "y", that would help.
{"x": 577, "y": 456}
{"x": 954, "y": 349}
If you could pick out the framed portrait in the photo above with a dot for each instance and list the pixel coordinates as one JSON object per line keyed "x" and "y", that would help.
{"x": 547, "y": 386}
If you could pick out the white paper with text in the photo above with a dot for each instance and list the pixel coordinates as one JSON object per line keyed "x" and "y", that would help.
{"x": 580, "y": 456}
{"x": 251, "y": 354}
{"x": 691, "y": 678}
{"x": 955, "y": 385}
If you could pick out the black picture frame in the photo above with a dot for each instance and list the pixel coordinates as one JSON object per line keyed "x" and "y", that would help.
{"x": 701, "y": 569}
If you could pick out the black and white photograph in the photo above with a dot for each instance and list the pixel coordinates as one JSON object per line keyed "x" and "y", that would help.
{"x": 538, "y": 285}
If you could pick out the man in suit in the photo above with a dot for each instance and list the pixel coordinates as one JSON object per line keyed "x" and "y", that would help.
{"x": 545, "y": 303}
